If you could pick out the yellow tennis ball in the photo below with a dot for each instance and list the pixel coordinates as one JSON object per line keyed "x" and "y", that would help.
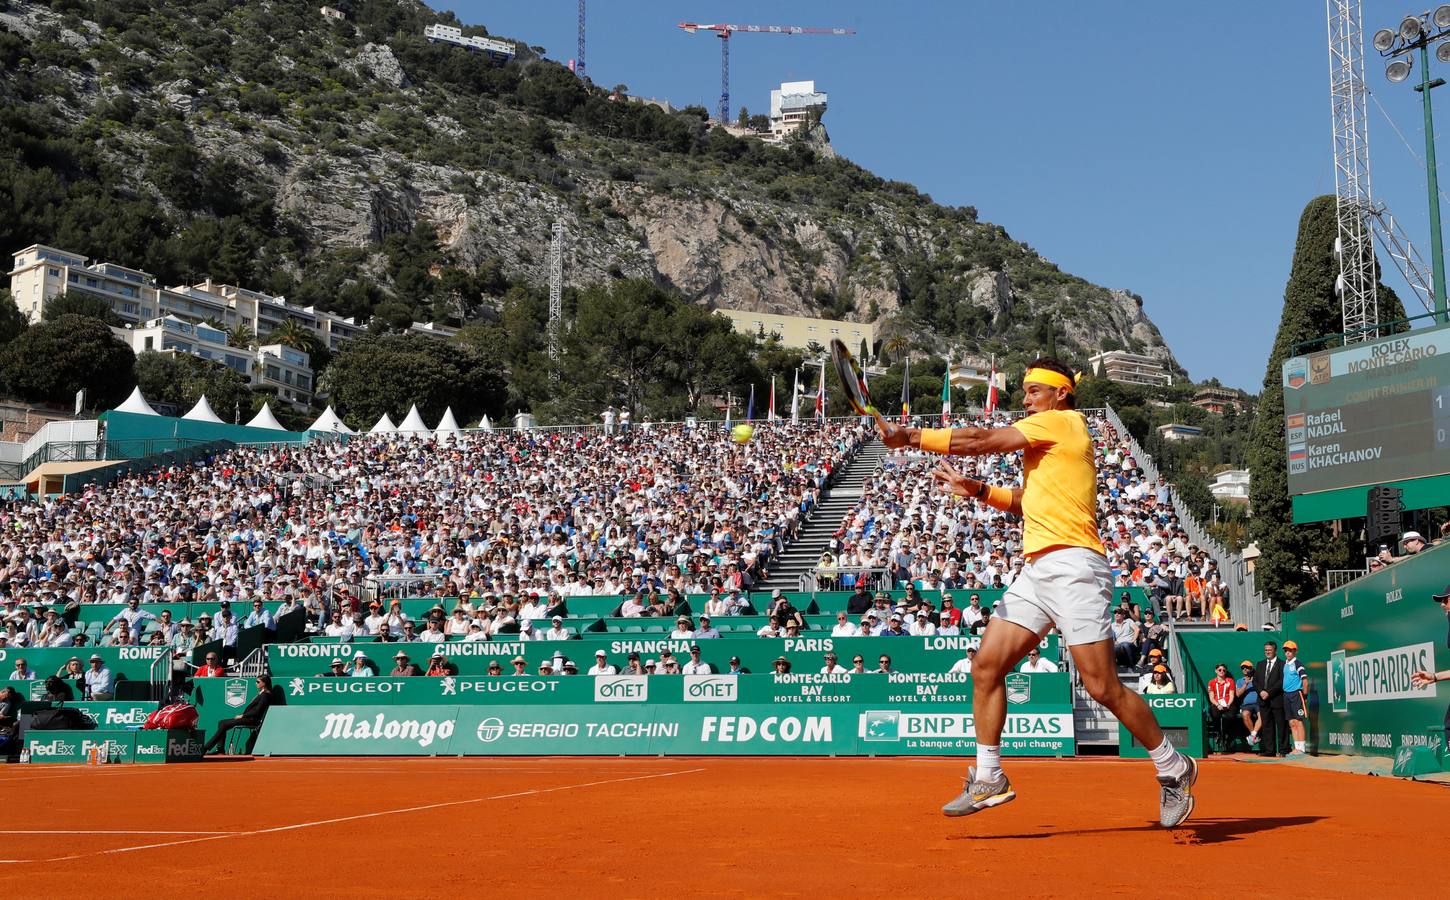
{"x": 742, "y": 433}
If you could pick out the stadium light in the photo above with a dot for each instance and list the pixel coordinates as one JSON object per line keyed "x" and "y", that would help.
{"x": 1413, "y": 37}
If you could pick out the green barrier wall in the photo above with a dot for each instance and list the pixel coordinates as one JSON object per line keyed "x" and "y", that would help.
{"x": 115, "y": 714}
{"x": 74, "y": 747}
{"x": 1361, "y": 643}
{"x": 909, "y": 654}
{"x": 1181, "y": 717}
{"x": 897, "y": 689}
{"x": 221, "y": 698}
{"x": 1202, "y": 650}
{"x": 129, "y": 663}
{"x": 650, "y": 729}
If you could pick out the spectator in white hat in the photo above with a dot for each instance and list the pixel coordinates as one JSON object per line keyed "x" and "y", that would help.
{"x": 683, "y": 630}
{"x": 601, "y": 664}
{"x": 706, "y": 630}
{"x": 362, "y": 667}
{"x": 557, "y": 631}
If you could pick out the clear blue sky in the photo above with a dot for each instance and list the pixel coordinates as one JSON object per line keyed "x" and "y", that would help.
{"x": 1165, "y": 150}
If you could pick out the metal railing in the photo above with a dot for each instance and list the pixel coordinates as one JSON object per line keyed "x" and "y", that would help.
{"x": 1338, "y": 578}
{"x": 871, "y": 576}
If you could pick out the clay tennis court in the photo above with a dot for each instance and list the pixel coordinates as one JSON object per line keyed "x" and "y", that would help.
{"x": 661, "y": 827}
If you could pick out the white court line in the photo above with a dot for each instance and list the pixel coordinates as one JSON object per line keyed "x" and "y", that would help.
{"x": 371, "y": 815}
{"x": 96, "y": 832}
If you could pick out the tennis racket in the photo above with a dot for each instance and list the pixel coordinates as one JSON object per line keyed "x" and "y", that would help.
{"x": 852, "y": 380}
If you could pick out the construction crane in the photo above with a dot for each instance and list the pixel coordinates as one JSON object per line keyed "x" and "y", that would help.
{"x": 1359, "y": 216}
{"x": 723, "y": 32}
{"x": 579, "y": 62}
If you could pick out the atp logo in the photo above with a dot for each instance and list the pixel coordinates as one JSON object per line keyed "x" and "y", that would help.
{"x": 297, "y": 686}
{"x": 449, "y": 685}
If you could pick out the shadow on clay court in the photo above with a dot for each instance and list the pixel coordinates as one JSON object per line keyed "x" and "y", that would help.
{"x": 1201, "y": 831}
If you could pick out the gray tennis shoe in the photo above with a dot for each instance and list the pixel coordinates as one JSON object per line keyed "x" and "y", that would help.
{"x": 1175, "y": 798}
{"x": 979, "y": 795}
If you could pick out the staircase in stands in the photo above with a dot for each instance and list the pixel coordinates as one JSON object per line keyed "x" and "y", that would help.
{"x": 786, "y": 571}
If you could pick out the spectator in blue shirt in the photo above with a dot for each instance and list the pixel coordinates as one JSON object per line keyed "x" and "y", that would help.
{"x": 259, "y": 616}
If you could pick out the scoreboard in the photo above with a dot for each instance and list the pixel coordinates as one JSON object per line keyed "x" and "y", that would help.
{"x": 1370, "y": 413}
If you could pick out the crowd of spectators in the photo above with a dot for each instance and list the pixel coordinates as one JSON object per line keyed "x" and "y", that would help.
{"x": 517, "y": 521}
{"x": 907, "y": 528}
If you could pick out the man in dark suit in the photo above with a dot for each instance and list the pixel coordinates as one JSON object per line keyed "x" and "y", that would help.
{"x": 251, "y": 717}
{"x": 1269, "y": 683}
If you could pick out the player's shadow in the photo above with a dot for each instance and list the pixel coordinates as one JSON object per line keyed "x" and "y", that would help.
{"x": 1198, "y": 831}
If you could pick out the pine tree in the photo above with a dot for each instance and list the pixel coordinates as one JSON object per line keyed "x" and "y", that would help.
{"x": 1311, "y": 310}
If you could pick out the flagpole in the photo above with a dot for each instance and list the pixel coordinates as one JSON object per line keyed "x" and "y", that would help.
{"x": 821, "y": 396}
{"x": 795, "y": 400}
{"x": 750, "y": 410}
{"x": 770, "y": 417}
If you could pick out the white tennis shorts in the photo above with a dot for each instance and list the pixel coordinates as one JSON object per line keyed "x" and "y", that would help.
{"x": 1071, "y": 588}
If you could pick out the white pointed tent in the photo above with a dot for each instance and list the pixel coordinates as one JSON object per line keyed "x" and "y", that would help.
{"x": 485, "y": 424}
{"x": 413, "y": 425}
{"x": 330, "y": 422}
{"x": 385, "y": 426}
{"x": 136, "y": 404}
{"x": 448, "y": 426}
{"x": 265, "y": 419}
{"x": 202, "y": 412}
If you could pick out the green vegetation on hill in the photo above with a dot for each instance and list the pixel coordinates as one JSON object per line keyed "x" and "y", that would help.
{"x": 109, "y": 146}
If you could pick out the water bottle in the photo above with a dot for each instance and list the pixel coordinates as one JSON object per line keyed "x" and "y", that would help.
{"x": 25, "y": 755}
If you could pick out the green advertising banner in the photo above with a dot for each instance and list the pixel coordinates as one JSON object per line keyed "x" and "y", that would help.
{"x": 907, "y": 654}
{"x": 1361, "y": 643}
{"x": 1181, "y": 718}
{"x": 653, "y": 729}
{"x": 74, "y": 747}
{"x": 898, "y": 688}
{"x": 173, "y": 746}
{"x": 114, "y": 714}
{"x": 126, "y": 663}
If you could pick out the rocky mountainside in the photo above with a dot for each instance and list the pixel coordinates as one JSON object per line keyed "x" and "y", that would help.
{"x": 354, "y": 165}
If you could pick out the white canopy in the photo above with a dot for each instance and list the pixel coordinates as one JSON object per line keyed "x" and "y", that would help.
{"x": 202, "y": 412}
{"x": 413, "y": 425}
{"x": 136, "y": 404}
{"x": 265, "y": 419}
{"x": 485, "y": 424}
{"x": 448, "y": 425}
{"x": 385, "y": 426}
{"x": 329, "y": 421}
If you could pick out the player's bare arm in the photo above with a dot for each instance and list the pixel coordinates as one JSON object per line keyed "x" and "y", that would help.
{"x": 962, "y": 441}
{"x": 954, "y": 482}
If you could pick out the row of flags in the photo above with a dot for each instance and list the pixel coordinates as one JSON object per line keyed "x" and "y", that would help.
{"x": 820, "y": 400}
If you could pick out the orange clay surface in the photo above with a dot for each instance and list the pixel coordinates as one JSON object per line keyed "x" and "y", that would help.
{"x": 601, "y": 828}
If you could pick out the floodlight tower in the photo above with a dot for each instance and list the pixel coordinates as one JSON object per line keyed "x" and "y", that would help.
{"x": 1356, "y": 284}
{"x": 1417, "y": 33}
{"x": 556, "y": 289}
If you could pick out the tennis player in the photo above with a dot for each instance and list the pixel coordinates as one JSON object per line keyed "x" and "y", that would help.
{"x": 1066, "y": 582}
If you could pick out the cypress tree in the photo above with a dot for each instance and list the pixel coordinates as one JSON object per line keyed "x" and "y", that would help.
{"x": 1311, "y": 310}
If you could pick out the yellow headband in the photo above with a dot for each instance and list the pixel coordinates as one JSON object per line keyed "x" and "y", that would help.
{"x": 1050, "y": 378}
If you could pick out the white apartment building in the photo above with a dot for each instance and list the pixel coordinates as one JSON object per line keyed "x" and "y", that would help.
{"x": 1130, "y": 368}
{"x": 450, "y": 34}
{"x": 287, "y": 371}
{"x": 1231, "y": 486}
{"x": 792, "y": 106}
